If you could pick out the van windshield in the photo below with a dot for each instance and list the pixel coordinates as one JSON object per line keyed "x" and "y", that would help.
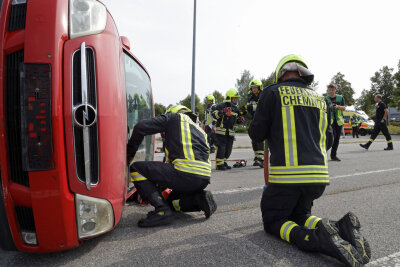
{"x": 139, "y": 103}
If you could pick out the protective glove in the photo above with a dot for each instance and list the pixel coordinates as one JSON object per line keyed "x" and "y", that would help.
{"x": 241, "y": 119}
{"x": 227, "y": 111}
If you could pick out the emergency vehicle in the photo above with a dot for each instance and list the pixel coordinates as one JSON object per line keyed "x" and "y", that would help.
{"x": 70, "y": 93}
{"x": 366, "y": 126}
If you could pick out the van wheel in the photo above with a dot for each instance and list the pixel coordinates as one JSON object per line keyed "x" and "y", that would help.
{"x": 6, "y": 240}
{"x": 363, "y": 132}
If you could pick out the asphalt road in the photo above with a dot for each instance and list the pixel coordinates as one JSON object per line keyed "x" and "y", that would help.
{"x": 365, "y": 182}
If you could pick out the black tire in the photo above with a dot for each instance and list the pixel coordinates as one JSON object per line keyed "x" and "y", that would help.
{"x": 362, "y": 132}
{"x": 6, "y": 240}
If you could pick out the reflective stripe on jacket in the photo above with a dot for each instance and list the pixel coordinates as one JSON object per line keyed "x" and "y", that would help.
{"x": 294, "y": 119}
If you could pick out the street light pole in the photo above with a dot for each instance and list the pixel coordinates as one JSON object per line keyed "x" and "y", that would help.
{"x": 193, "y": 105}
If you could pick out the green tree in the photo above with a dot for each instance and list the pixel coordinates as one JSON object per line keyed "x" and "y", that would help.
{"x": 396, "y": 91}
{"x": 365, "y": 102}
{"x": 199, "y": 107}
{"x": 242, "y": 85}
{"x": 383, "y": 83}
{"x": 159, "y": 109}
{"x": 344, "y": 88}
{"x": 268, "y": 81}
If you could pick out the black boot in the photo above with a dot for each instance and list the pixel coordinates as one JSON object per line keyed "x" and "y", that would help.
{"x": 259, "y": 163}
{"x": 162, "y": 214}
{"x": 366, "y": 146}
{"x": 221, "y": 167}
{"x": 349, "y": 229}
{"x": 333, "y": 245}
{"x": 227, "y": 166}
{"x": 207, "y": 203}
{"x": 389, "y": 147}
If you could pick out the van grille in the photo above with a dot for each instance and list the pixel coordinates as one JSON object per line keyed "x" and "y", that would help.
{"x": 93, "y": 129}
{"x": 17, "y": 18}
{"x": 13, "y": 111}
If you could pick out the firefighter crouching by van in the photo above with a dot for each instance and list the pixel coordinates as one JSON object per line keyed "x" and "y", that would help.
{"x": 255, "y": 88}
{"x": 294, "y": 120}
{"x": 355, "y": 122}
{"x": 226, "y": 114}
{"x": 187, "y": 169}
{"x": 209, "y": 122}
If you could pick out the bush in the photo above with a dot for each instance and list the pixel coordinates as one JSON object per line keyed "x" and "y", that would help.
{"x": 241, "y": 129}
{"x": 394, "y": 129}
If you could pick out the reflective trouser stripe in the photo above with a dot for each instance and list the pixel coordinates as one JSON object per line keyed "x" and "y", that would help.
{"x": 259, "y": 154}
{"x": 176, "y": 205}
{"x": 371, "y": 140}
{"x": 311, "y": 222}
{"x": 390, "y": 141}
{"x": 219, "y": 161}
{"x": 286, "y": 228}
{"x": 137, "y": 177}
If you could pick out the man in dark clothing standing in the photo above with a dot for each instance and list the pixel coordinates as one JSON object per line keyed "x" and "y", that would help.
{"x": 338, "y": 106}
{"x": 209, "y": 122}
{"x": 186, "y": 171}
{"x": 380, "y": 124}
{"x": 294, "y": 120}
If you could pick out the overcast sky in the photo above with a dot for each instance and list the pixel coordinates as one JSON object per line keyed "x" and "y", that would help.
{"x": 355, "y": 38}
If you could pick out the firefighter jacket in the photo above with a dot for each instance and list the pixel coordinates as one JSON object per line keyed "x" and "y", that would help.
{"x": 185, "y": 142}
{"x": 226, "y": 114}
{"x": 251, "y": 105}
{"x": 294, "y": 119}
{"x": 209, "y": 120}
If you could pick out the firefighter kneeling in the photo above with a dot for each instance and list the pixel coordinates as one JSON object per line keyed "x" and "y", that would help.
{"x": 187, "y": 169}
{"x": 295, "y": 121}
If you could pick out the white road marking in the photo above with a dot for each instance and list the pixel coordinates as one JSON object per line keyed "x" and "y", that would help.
{"x": 363, "y": 173}
{"x": 246, "y": 189}
{"x": 391, "y": 260}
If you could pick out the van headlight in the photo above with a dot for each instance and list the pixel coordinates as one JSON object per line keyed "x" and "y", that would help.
{"x": 86, "y": 17}
{"x": 94, "y": 216}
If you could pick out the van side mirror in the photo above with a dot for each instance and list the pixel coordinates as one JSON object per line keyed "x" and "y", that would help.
{"x": 125, "y": 42}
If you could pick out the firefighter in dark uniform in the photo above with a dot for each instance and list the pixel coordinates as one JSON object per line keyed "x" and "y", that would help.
{"x": 209, "y": 122}
{"x": 226, "y": 114}
{"x": 380, "y": 124}
{"x": 294, "y": 120}
{"x": 355, "y": 121}
{"x": 187, "y": 169}
{"x": 337, "y": 121}
{"x": 255, "y": 88}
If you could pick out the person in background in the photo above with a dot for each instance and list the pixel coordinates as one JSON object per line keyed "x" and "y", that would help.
{"x": 209, "y": 122}
{"x": 227, "y": 115}
{"x": 338, "y": 106}
{"x": 255, "y": 88}
{"x": 380, "y": 118}
{"x": 355, "y": 120}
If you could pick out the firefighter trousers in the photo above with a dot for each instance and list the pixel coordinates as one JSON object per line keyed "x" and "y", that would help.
{"x": 224, "y": 148}
{"x": 150, "y": 176}
{"x": 210, "y": 136}
{"x": 286, "y": 213}
{"x": 258, "y": 148}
